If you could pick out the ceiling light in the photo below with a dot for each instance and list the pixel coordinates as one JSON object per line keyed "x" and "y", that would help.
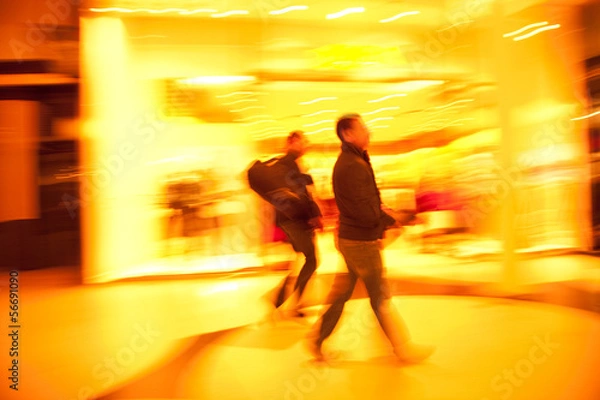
{"x": 229, "y": 13}
{"x": 200, "y": 10}
{"x": 391, "y": 96}
{"x": 395, "y": 17}
{"x": 525, "y": 28}
{"x": 453, "y": 103}
{"x": 530, "y": 34}
{"x": 288, "y": 9}
{"x": 586, "y": 116}
{"x": 380, "y": 119}
{"x": 317, "y": 100}
{"x": 345, "y": 12}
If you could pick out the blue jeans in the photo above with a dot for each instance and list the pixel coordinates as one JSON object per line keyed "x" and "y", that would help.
{"x": 363, "y": 260}
{"x": 302, "y": 239}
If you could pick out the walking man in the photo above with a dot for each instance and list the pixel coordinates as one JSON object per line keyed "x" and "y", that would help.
{"x": 300, "y": 229}
{"x": 361, "y": 226}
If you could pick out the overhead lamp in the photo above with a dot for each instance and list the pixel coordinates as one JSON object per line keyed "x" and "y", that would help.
{"x": 525, "y": 28}
{"x": 391, "y": 96}
{"x": 535, "y": 32}
{"x": 453, "y": 103}
{"x": 197, "y": 11}
{"x": 586, "y": 116}
{"x": 347, "y": 11}
{"x": 230, "y": 13}
{"x": 288, "y": 9}
{"x": 398, "y": 16}
{"x": 317, "y": 100}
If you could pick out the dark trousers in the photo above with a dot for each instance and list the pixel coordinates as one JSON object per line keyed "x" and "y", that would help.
{"x": 363, "y": 260}
{"x": 302, "y": 238}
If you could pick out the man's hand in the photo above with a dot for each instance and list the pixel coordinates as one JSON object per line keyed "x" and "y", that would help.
{"x": 316, "y": 223}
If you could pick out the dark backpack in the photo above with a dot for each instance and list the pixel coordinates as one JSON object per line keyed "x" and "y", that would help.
{"x": 270, "y": 181}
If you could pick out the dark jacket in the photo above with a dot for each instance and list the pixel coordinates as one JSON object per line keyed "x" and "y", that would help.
{"x": 357, "y": 197}
{"x": 297, "y": 182}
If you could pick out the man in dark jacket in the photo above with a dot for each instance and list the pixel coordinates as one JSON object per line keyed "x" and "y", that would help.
{"x": 300, "y": 225}
{"x": 362, "y": 223}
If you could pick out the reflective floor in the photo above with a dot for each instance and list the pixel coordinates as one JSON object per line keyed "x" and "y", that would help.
{"x": 205, "y": 336}
{"x": 486, "y": 349}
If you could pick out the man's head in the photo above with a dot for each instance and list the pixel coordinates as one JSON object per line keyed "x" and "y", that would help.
{"x": 297, "y": 142}
{"x": 350, "y": 128}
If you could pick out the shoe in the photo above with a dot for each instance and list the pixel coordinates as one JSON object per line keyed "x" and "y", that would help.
{"x": 412, "y": 352}
{"x": 314, "y": 348}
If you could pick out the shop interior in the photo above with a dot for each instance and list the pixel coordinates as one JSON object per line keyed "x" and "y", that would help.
{"x": 193, "y": 110}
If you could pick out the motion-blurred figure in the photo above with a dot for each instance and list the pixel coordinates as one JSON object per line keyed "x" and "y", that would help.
{"x": 362, "y": 224}
{"x": 300, "y": 228}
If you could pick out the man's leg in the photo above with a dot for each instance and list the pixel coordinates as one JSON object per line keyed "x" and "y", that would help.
{"x": 364, "y": 259}
{"x": 307, "y": 247}
{"x": 341, "y": 291}
{"x": 281, "y": 295}
{"x": 369, "y": 267}
{"x": 303, "y": 241}
{"x": 371, "y": 272}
